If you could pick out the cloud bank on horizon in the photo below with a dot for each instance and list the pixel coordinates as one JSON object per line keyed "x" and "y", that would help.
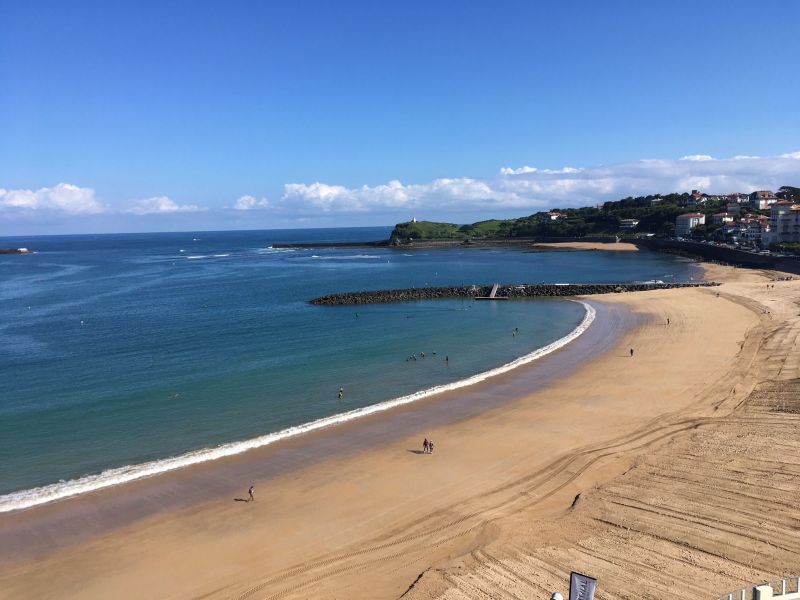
{"x": 518, "y": 189}
{"x": 532, "y": 188}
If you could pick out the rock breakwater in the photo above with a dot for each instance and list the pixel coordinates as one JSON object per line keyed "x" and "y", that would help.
{"x": 540, "y": 290}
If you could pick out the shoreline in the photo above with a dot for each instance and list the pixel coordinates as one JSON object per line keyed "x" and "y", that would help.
{"x": 368, "y": 515}
{"x": 38, "y": 496}
{"x": 26, "y": 532}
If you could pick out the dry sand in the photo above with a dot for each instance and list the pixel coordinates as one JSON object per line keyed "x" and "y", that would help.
{"x": 687, "y": 481}
{"x": 611, "y": 246}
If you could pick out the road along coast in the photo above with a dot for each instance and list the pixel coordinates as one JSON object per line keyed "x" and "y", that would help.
{"x": 370, "y": 521}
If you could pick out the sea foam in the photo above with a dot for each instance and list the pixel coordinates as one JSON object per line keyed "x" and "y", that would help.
{"x": 89, "y": 483}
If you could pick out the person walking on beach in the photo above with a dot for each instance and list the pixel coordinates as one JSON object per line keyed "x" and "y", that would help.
{"x": 250, "y": 496}
{"x": 667, "y": 320}
{"x": 430, "y": 447}
{"x": 631, "y": 352}
{"x": 425, "y": 446}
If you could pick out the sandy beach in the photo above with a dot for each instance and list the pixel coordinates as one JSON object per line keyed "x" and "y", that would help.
{"x": 672, "y": 466}
{"x": 608, "y": 246}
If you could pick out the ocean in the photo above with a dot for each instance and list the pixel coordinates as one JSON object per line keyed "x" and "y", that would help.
{"x": 123, "y": 356}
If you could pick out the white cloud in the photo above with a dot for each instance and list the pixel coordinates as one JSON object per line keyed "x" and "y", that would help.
{"x": 518, "y": 171}
{"x": 64, "y": 197}
{"x": 531, "y": 188}
{"x": 250, "y": 202}
{"x": 525, "y": 170}
{"x": 697, "y": 157}
{"x": 457, "y": 194}
{"x": 160, "y": 205}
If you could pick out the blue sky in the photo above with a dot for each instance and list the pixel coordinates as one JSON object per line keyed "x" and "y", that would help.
{"x": 170, "y": 115}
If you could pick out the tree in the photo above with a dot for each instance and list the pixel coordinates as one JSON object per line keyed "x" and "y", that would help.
{"x": 787, "y": 192}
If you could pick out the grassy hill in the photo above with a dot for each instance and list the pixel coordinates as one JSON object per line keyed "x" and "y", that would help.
{"x": 426, "y": 230}
{"x": 429, "y": 230}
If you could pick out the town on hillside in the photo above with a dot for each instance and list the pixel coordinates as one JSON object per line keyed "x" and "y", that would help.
{"x": 762, "y": 220}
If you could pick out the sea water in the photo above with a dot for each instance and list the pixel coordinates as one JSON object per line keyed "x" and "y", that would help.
{"x": 127, "y": 355}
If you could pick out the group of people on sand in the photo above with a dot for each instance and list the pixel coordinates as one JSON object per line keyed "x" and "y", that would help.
{"x": 427, "y": 446}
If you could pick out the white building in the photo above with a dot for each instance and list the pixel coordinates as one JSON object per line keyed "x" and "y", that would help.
{"x": 762, "y": 199}
{"x": 686, "y": 222}
{"x": 755, "y": 229}
{"x": 784, "y": 221}
{"x": 738, "y": 198}
{"x": 628, "y": 223}
{"x": 722, "y": 218}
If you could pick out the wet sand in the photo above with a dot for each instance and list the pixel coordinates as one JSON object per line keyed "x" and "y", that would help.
{"x": 363, "y": 517}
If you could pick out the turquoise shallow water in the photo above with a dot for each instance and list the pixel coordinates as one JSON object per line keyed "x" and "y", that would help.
{"x": 121, "y": 349}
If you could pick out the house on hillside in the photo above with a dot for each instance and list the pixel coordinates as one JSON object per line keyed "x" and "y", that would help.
{"x": 732, "y": 232}
{"x": 737, "y": 198}
{"x": 762, "y": 199}
{"x": 696, "y": 198}
{"x": 722, "y": 218}
{"x": 628, "y": 223}
{"x": 755, "y": 228}
{"x": 784, "y": 221}
{"x": 688, "y": 221}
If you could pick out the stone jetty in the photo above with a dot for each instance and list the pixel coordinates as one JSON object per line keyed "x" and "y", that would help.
{"x": 539, "y": 290}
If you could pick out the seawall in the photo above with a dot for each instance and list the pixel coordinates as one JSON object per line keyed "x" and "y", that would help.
{"x": 542, "y": 290}
{"x": 733, "y": 256}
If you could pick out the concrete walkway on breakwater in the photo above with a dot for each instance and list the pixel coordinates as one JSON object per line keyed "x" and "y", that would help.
{"x": 503, "y": 291}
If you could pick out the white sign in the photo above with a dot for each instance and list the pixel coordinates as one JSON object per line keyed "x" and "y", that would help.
{"x": 581, "y": 587}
